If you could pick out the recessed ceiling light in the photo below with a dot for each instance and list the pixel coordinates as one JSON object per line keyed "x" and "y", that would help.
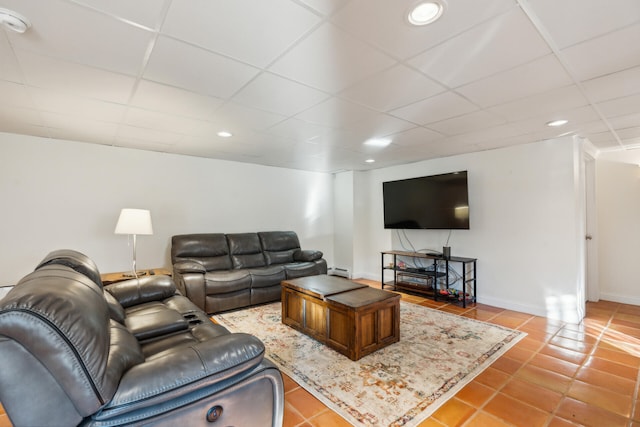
{"x": 557, "y": 123}
{"x": 370, "y": 161}
{"x": 378, "y": 142}
{"x": 224, "y": 134}
{"x": 14, "y": 21}
{"x": 426, "y": 12}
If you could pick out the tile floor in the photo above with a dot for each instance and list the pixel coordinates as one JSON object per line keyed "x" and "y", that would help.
{"x": 560, "y": 375}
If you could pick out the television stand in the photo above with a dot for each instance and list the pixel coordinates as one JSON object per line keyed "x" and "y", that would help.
{"x": 429, "y": 280}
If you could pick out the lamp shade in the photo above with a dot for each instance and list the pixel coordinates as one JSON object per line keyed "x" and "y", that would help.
{"x": 134, "y": 221}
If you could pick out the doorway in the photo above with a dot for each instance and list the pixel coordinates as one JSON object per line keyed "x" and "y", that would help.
{"x": 591, "y": 248}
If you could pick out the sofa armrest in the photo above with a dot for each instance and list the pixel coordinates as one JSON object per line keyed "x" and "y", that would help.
{"x": 306, "y": 255}
{"x": 189, "y": 267}
{"x": 183, "y": 370}
{"x": 144, "y": 289}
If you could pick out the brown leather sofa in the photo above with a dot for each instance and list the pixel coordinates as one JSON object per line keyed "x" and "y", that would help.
{"x": 221, "y": 272}
{"x": 132, "y": 353}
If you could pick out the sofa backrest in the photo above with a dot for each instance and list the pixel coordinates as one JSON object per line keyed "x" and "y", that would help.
{"x": 63, "y": 349}
{"x": 279, "y": 246}
{"x": 245, "y": 250}
{"x": 209, "y": 249}
{"x": 75, "y": 260}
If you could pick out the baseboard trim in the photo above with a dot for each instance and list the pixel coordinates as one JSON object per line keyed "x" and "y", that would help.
{"x": 621, "y": 298}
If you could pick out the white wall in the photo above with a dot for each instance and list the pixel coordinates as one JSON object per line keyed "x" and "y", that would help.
{"x": 343, "y": 215}
{"x": 58, "y": 194}
{"x": 618, "y": 236}
{"x": 524, "y": 206}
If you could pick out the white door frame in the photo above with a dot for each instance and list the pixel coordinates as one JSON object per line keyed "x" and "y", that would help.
{"x": 591, "y": 232}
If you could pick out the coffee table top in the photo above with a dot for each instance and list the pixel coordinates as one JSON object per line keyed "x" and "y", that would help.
{"x": 322, "y": 286}
{"x": 362, "y": 297}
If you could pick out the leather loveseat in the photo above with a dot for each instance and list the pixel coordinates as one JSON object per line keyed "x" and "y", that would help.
{"x": 132, "y": 353}
{"x": 221, "y": 272}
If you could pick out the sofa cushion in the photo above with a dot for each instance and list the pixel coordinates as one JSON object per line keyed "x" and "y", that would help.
{"x": 220, "y": 282}
{"x": 245, "y": 250}
{"x": 142, "y": 290}
{"x": 279, "y": 246}
{"x": 210, "y": 249}
{"x": 267, "y": 276}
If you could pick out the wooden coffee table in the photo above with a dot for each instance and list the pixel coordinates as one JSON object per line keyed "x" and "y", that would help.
{"x": 349, "y": 317}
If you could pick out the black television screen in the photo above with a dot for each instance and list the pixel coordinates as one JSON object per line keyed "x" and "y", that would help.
{"x": 428, "y": 202}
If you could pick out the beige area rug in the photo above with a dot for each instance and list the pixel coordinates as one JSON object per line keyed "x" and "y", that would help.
{"x": 399, "y": 385}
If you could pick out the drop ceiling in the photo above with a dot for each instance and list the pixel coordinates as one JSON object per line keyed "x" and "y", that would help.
{"x": 304, "y": 84}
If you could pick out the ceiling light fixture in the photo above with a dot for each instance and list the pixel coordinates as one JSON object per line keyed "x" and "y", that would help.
{"x": 14, "y": 21}
{"x": 556, "y": 123}
{"x": 425, "y": 12}
{"x": 378, "y": 142}
{"x": 370, "y": 161}
{"x": 224, "y": 134}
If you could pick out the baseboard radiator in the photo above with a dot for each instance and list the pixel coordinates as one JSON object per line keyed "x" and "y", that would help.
{"x": 337, "y": 271}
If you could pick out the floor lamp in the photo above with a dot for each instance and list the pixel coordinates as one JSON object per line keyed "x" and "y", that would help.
{"x": 134, "y": 222}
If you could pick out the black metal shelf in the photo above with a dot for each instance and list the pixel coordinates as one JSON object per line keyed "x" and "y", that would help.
{"x": 432, "y": 277}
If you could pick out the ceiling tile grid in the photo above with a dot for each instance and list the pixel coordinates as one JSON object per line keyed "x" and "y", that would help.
{"x": 305, "y": 83}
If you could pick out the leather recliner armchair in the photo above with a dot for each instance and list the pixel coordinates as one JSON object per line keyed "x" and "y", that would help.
{"x": 74, "y": 353}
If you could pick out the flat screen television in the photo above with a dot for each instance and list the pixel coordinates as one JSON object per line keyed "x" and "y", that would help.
{"x": 428, "y": 202}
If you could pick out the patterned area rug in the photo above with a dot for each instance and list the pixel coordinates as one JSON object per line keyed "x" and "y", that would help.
{"x": 399, "y": 385}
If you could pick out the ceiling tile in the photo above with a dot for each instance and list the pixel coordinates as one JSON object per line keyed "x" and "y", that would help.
{"x": 9, "y": 68}
{"x": 21, "y": 120}
{"x": 274, "y": 93}
{"x": 614, "y": 85}
{"x": 545, "y": 103}
{"x": 629, "y": 133}
{"x": 54, "y": 101}
{"x": 71, "y": 127}
{"x": 157, "y": 121}
{"x": 435, "y": 109}
{"x": 614, "y": 52}
{"x": 75, "y": 79}
{"x": 383, "y": 24}
{"x": 376, "y": 126}
{"x": 330, "y": 60}
{"x": 167, "y": 99}
{"x": 416, "y": 137}
{"x": 454, "y": 64}
{"x": 337, "y": 113}
{"x": 537, "y": 76}
{"x": 620, "y": 106}
{"x": 15, "y": 95}
{"x": 74, "y": 33}
{"x": 325, "y": 7}
{"x": 233, "y": 115}
{"x": 621, "y": 122}
{"x": 138, "y": 137}
{"x": 299, "y": 130}
{"x": 467, "y": 123}
{"x": 392, "y": 88}
{"x": 143, "y": 12}
{"x": 178, "y": 64}
{"x": 572, "y": 21}
{"x": 252, "y": 31}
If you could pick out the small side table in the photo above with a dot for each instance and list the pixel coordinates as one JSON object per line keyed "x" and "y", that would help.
{"x": 109, "y": 278}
